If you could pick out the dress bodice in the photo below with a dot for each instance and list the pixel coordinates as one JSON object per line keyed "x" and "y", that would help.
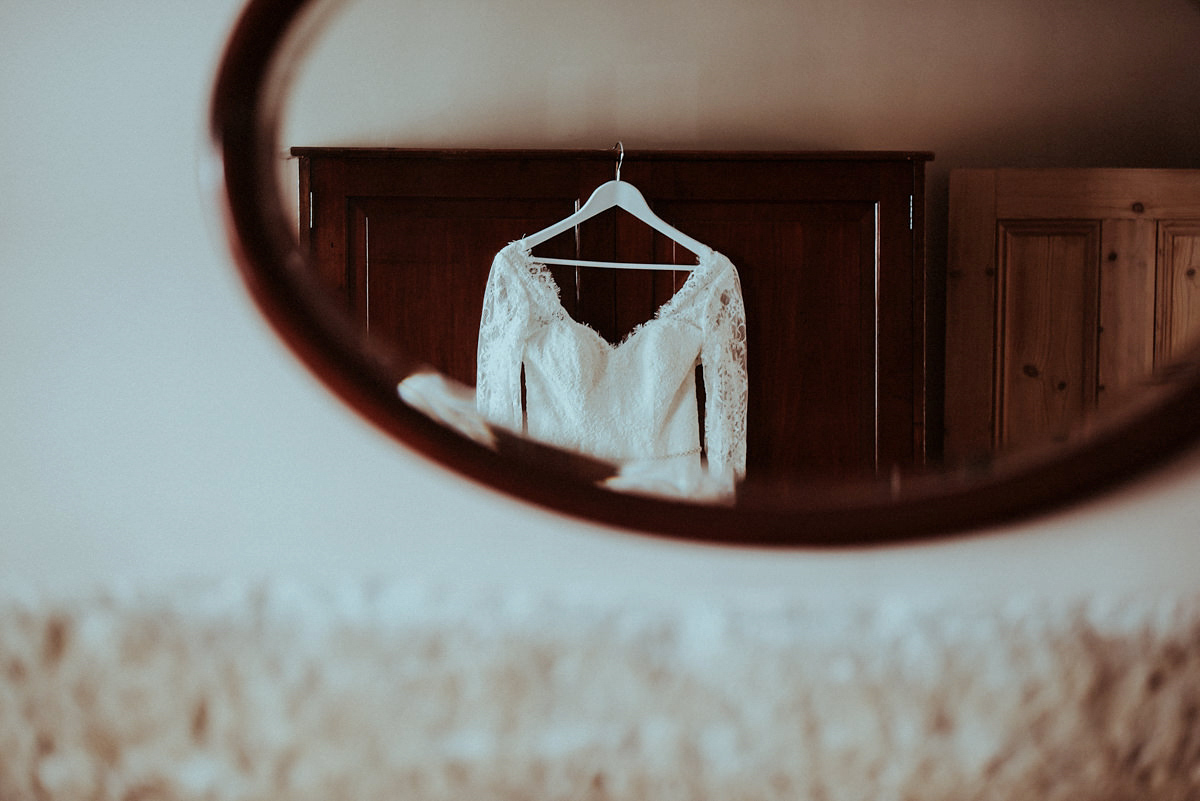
{"x": 630, "y": 402}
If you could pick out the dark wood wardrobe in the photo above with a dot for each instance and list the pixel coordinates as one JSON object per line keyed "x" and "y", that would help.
{"x": 829, "y": 248}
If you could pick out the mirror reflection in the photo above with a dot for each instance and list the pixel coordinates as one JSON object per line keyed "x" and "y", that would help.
{"x": 958, "y": 230}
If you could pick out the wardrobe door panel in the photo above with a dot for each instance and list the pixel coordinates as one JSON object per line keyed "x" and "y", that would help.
{"x": 413, "y": 261}
{"x": 1179, "y": 287}
{"x": 970, "y": 316}
{"x": 1047, "y": 340}
{"x": 1125, "y": 355}
{"x": 899, "y": 308}
{"x": 808, "y": 274}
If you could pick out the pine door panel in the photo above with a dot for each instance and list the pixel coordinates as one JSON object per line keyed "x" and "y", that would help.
{"x": 1179, "y": 288}
{"x": 1046, "y": 343}
{"x": 971, "y": 316}
{"x": 1093, "y": 273}
{"x": 1125, "y": 353}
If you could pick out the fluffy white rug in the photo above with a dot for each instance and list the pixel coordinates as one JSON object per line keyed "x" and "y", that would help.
{"x": 392, "y": 691}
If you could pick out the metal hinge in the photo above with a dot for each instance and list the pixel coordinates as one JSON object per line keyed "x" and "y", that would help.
{"x": 310, "y": 211}
{"x": 910, "y": 212}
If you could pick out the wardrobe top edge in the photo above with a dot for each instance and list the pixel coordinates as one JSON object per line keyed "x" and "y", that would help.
{"x": 610, "y": 154}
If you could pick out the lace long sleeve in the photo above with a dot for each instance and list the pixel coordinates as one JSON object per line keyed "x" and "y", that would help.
{"x": 503, "y": 328}
{"x": 725, "y": 380}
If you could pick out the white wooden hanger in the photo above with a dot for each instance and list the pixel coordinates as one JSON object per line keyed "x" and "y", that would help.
{"x": 621, "y": 194}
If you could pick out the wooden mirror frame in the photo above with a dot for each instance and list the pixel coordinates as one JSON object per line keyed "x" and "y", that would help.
{"x": 1161, "y": 425}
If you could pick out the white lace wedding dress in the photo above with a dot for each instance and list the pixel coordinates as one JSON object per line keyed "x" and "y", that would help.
{"x": 633, "y": 403}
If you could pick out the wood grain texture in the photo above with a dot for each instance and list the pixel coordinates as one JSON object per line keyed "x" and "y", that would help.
{"x": 970, "y": 315}
{"x": 1046, "y": 340}
{"x": 808, "y": 282}
{"x": 1124, "y": 302}
{"x": 1179, "y": 289}
{"x": 417, "y": 278}
{"x": 1125, "y": 352}
{"x": 1097, "y": 193}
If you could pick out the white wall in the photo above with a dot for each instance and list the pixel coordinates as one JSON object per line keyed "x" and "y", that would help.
{"x": 152, "y": 427}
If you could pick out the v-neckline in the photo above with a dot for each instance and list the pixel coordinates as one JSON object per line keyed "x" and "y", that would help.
{"x": 704, "y": 262}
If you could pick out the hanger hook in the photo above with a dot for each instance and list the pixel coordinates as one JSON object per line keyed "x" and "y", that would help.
{"x": 620, "y": 148}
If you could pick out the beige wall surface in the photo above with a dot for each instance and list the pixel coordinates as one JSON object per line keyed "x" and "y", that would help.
{"x": 1017, "y": 83}
{"x": 1018, "y": 79}
{"x": 152, "y": 427}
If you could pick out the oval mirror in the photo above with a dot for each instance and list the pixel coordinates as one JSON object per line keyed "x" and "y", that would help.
{"x": 959, "y": 246}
